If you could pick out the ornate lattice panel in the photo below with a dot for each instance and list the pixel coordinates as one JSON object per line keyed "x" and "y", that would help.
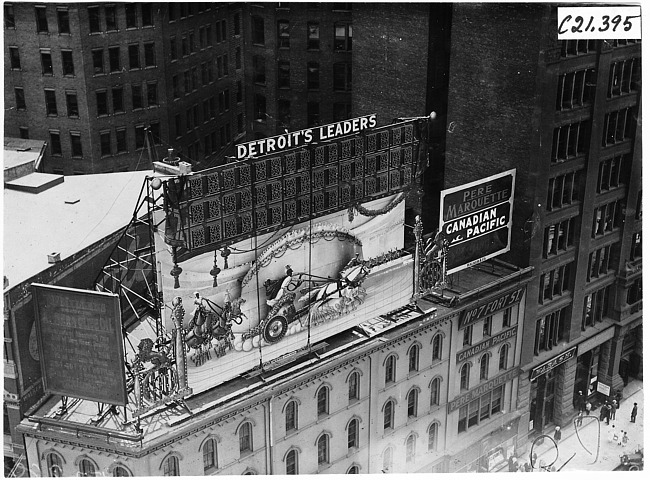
{"x": 225, "y": 204}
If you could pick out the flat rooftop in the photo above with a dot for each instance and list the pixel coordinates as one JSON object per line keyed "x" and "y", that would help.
{"x": 18, "y": 151}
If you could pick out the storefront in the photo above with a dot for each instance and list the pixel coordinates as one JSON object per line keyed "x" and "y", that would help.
{"x": 631, "y": 362}
{"x": 587, "y": 375}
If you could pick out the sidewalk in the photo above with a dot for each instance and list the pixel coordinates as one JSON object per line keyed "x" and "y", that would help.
{"x": 608, "y": 457}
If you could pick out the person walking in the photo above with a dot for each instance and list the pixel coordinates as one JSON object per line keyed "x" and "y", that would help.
{"x": 581, "y": 401}
{"x": 625, "y": 439}
{"x": 557, "y": 436}
{"x": 612, "y": 411}
{"x": 608, "y": 412}
{"x": 620, "y": 437}
{"x": 588, "y": 407}
{"x": 633, "y": 416}
{"x": 579, "y": 419}
{"x": 613, "y": 436}
{"x": 603, "y": 410}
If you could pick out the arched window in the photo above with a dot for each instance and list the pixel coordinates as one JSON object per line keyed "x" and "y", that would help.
{"x": 245, "y": 437}
{"x": 464, "y": 377}
{"x": 503, "y": 357}
{"x": 485, "y": 366}
{"x": 210, "y": 454}
{"x": 412, "y": 403}
{"x": 291, "y": 462}
{"x": 54, "y": 465}
{"x": 353, "y": 433}
{"x": 435, "y": 392}
{"x": 353, "y": 386}
{"x": 410, "y": 448}
{"x": 323, "y": 449}
{"x": 291, "y": 416}
{"x": 86, "y": 468}
{"x": 414, "y": 358}
{"x": 323, "y": 400}
{"x": 433, "y": 437}
{"x": 387, "y": 461}
{"x": 354, "y": 469}
{"x": 120, "y": 471}
{"x": 390, "y": 369}
{"x": 170, "y": 467}
{"x": 389, "y": 409}
{"x": 437, "y": 347}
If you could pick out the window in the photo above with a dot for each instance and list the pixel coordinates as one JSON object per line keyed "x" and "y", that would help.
{"x": 507, "y": 315}
{"x": 634, "y": 293}
{"x": 120, "y": 471}
{"x": 173, "y": 49}
{"x": 10, "y": 22}
{"x": 412, "y": 403}
{"x": 154, "y": 133}
{"x": 118, "y": 100}
{"x": 102, "y": 102}
{"x": 14, "y": 57}
{"x": 72, "y": 104}
{"x": 139, "y": 136}
{"x": 410, "y": 448}
{"x": 387, "y": 460}
{"x": 342, "y": 79}
{"x": 389, "y": 374}
{"x": 618, "y": 126}
{"x": 480, "y": 409}
{"x": 595, "y": 307}
{"x": 555, "y": 282}
{"x": 105, "y": 143}
{"x": 575, "y": 89}
{"x": 353, "y": 470}
{"x": 636, "y": 249}
{"x": 190, "y": 41}
{"x": 313, "y": 114}
{"x": 131, "y": 16}
{"x": 283, "y": 34}
{"x": 98, "y": 61}
{"x": 609, "y": 173}
{"x": 46, "y": 62}
{"x": 257, "y": 30}
{"x": 484, "y": 366}
{"x": 23, "y": 132}
{"x": 313, "y": 36}
{"x": 239, "y": 92}
{"x": 551, "y": 329}
{"x": 562, "y": 191}
{"x": 50, "y": 103}
{"x": 464, "y": 376}
{"x": 467, "y": 335}
{"x": 136, "y": 97}
{"x": 601, "y": 262}
{"x": 389, "y": 410}
{"x": 606, "y": 218}
{"x": 55, "y": 143}
{"x": 114, "y": 63}
{"x": 284, "y": 112}
{"x": 209, "y": 455}
{"x": 134, "y": 56}
{"x": 291, "y": 462}
{"x": 313, "y": 75}
{"x": 195, "y": 78}
{"x": 353, "y": 386}
{"x": 120, "y": 136}
{"x": 170, "y": 467}
{"x": 20, "y": 98}
{"x": 284, "y": 74}
{"x": 236, "y": 25}
{"x": 111, "y": 18}
{"x": 67, "y": 62}
{"x": 437, "y": 347}
{"x": 323, "y": 449}
{"x": 342, "y": 37}
{"x": 577, "y": 47}
{"x": 433, "y": 437}
{"x": 41, "y": 19}
{"x": 149, "y": 54}
{"x": 624, "y": 77}
{"x": 152, "y": 94}
{"x": 94, "y": 20}
{"x": 569, "y": 141}
{"x": 54, "y": 462}
{"x": 434, "y": 399}
{"x": 259, "y": 68}
{"x": 63, "y": 19}
{"x": 147, "y": 15}
{"x": 259, "y": 107}
{"x": 487, "y": 326}
{"x": 178, "y": 124}
{"x": 291, "y": 416}
{"x": 353, "y": 434}
{"x": 323, "y": 401}
{"x": 503, "y": 357}
{"x": 414, "y": 358}
{"x": 86, "y": 468}
{"x": 559, "y": 237}
{"x": 245, "y": 438}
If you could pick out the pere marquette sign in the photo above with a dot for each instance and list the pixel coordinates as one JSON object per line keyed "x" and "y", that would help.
{"x": 476, "y": 219}
{"x": 80, "y": 343}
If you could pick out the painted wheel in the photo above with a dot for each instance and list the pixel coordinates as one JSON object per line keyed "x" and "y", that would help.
{"x": 275, "y": 329}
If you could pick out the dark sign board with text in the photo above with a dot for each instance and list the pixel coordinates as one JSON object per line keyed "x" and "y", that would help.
{"x": 552, "y": 363}
{"x": 476, "y": 219}
{"x": 474, "y": 314}
{"x": 80, "y": 343}
{"x": 485, "y": 387}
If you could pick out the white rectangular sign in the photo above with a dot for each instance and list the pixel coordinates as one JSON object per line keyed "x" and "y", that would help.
{"x": 615, "y": 22}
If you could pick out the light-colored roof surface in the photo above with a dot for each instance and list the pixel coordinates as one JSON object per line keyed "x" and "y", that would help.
{"x": 36, "y": 225}
{"x": 16, "y": 153}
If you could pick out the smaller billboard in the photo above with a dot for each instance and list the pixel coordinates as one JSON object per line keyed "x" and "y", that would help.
{"x": 80, "y": 343}
{"x": 476, "y": 219}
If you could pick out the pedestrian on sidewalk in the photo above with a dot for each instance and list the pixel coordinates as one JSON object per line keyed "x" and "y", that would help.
{"x": 611, "y": 435}
{"x": 620, "y": 437}
{"x": 608, "y": 412}
{"x": 633, "y": 416}
{"x": 557, "y": 436}
{"x": 625, "y": 439}
{"x": 612, "y": 411}
{"x": 588, "y": 407}
{"x": 579, "y": 419}
{"x": 603, "y": 411}
{"x": 581, "y": 401}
